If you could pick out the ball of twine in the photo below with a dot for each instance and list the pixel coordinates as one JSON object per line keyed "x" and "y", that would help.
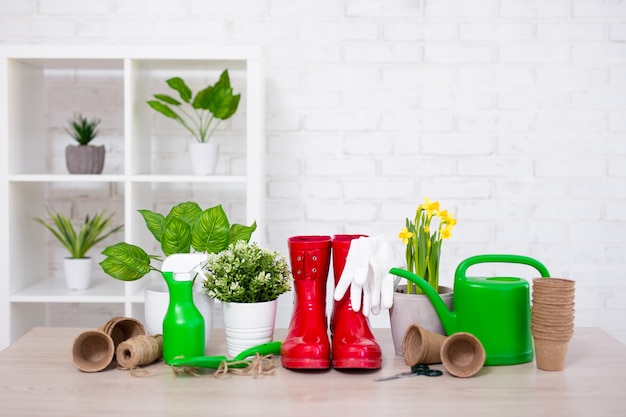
{"x": 138, "y": 351}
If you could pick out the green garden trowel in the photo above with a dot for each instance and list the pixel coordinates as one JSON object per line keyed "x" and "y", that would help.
{"x": 239, "y": 361}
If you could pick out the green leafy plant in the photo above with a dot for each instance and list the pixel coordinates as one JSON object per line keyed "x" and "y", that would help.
{"x": 245, "y": 273}
{"x": 184, "y": 229}
{"x": 202, "y": 113}
{"x": 92, "y": 231}
{"x": 82, "y": 129}
{"x": 423, "y": 242}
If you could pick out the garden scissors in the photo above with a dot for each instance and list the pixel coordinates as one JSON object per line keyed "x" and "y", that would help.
{"x": 419, "y": 369}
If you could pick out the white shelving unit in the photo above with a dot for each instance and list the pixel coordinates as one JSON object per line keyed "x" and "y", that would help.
{"x": 143, "y": 176}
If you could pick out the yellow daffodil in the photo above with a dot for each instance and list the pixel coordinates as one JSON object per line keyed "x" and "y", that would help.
{"x": 422, "y": 257}
{"x": 405, "y": 235}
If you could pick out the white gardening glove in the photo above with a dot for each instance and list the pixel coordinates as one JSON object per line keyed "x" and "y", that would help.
{"x": 366, "y": 272}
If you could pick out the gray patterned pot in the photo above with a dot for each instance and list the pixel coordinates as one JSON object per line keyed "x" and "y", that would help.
{"x": 84, "y": 159}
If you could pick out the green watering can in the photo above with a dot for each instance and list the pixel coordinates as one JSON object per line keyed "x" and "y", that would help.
{"x": 496, "y": 310}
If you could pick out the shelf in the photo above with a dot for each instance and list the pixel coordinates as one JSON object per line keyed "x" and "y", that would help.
{"x": 102, "y": 290}
{"x": 146, "y": 165}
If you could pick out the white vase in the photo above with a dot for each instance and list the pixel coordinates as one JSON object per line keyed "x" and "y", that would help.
{"x": 248, "y": 324}
{"x": 203, "y": 157}
{"x": 411, "y": 309}
{"x": 156, "y": 304}
{"x": 77, "y": 273}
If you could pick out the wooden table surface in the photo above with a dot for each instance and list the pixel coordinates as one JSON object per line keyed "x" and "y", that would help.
{"x": 37, "y": 378}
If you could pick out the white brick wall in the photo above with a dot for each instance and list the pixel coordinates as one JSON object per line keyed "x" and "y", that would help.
{"x": 511, "y": 112}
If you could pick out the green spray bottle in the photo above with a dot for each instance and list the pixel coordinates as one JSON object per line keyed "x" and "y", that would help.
{"x": 183, "y": 325}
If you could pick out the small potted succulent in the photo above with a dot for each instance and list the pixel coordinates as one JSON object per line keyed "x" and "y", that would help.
{"x": 93, "y": 230}
{"x": 186, "y": 228}
{"x": 248, "y": 281}
{"x": 200, "y": 115}
{"x": 84, "y": 158}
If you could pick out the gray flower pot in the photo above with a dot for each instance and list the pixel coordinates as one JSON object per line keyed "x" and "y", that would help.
{"x": 84, "y": 159}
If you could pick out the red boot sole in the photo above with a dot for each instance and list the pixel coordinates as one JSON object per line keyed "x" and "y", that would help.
{"x": 357, "y": 363}
{"x": 304, "y": 363}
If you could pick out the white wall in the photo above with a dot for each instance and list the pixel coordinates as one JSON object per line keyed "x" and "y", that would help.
{"x": 512, "y": 113}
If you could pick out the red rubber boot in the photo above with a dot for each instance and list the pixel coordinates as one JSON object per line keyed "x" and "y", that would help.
{"x": 354, "y": 345}
{"x": 306, "y": 345}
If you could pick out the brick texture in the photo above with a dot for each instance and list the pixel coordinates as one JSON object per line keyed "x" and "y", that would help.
{"x": 510, "y": 112}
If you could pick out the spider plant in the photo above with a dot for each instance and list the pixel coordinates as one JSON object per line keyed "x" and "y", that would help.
{"x": 78, "y": 242}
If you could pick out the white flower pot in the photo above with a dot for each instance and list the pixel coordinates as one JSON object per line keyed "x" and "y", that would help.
{"x": 248, "y": 324}
{"x": 77, "y": 273}
{"x": 156, "y": 304}
{"x": 203, "y": 157}
{"x": 411, "y": 309}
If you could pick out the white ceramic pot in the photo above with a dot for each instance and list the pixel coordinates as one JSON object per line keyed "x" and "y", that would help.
{"x": 77, "y": 273}
{"x": 203, "y": 157}
{"x": 156, "y": 304}
{"x": 248, "y": 324}
{"x": 411, "y": 309}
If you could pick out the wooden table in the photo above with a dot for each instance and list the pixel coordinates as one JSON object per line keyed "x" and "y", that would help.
{"x": 37, "y": 377}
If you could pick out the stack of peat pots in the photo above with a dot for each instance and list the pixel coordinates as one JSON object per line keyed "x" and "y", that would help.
{"x": 552, "y": 322}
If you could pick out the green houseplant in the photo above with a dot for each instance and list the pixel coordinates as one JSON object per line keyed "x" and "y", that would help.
{"x": 79, "y": 241}
{"x": 84, "y": 158}
{"x": 202, "y": 113}
{"x": 186, "y": 228}
{"x": 248, "y": 281}
{"x": 199, "y": 114}
{"x": 245, "y": 273}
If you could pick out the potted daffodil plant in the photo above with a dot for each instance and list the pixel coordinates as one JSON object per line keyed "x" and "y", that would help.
{"x": 200, "y": 115}
{"x": 423, "y": 236}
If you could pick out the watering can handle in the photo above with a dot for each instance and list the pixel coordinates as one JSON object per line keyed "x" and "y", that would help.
{"x": 512, "y": 259}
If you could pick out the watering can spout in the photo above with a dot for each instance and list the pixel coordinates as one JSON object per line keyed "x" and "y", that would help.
{"x": 448, "y": 318}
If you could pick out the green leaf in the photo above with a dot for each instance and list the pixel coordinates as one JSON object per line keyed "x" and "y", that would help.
{"x": 241, "y": 232}
{"x": 165, "y": 110}
{"x": 202, "y": 100}
{"x": 155, "y": 222}
{"x": 125, "y": 262}
{"x": 176, "y": 237}
{"x": 179, "y": 85}
{"x": 187, "y": 212}
{"x": 211, "y": 232}
{"x": 168, "y": 99}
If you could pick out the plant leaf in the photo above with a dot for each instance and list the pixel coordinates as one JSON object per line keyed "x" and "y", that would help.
{"x": 211, "y": 232}
{"x": 155, "y": 222}
{"x": 125, "y": 262}
{"x": 179, "y": 85}
{"x": 165, "y": 110}
{"x": 168, "y": 99}
{"x": 176, "y": 237}
{"x": 241, "y": 232}
{"x": 188, "y": 212}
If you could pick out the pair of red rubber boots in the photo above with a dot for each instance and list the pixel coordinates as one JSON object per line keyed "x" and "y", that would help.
{"x": 307, "y": 345}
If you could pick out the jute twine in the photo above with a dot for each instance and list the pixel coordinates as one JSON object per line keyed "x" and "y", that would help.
{"x": 138, "y": 351}
{"x": 259, "y": 366}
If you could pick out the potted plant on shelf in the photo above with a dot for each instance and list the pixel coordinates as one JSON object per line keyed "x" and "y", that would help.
{"x": 423, "y": 239}
{"x": 200, "y": 115}
{"x": 186, "y": 228}
{"x": 93, "y": 230}
{"x": 248, "y": 281}
{"x": 84, "y": 158}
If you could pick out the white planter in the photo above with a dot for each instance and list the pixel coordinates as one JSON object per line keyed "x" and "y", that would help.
{"x": 248, "y": 324}
{"x": 203, "y": 157}
{"x": 77, "y": 273}
{"x": 411, "y": 309}
{"x": 156, "y": 304}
